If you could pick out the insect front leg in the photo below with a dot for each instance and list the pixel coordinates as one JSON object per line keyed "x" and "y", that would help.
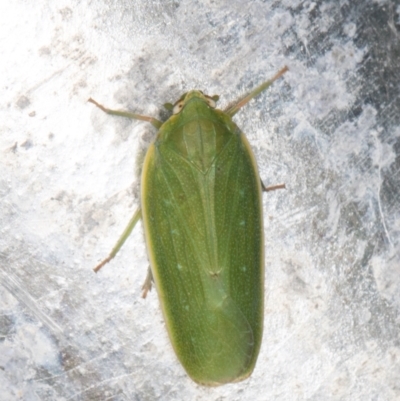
{"x": 153, "y": 121}
{"x": 236, "y": 107}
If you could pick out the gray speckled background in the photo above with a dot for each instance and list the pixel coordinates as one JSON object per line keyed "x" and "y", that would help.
{"x": 330, "y": 130}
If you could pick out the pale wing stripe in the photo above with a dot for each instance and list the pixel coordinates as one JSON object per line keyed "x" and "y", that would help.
{"x": 229, "y": 216}
{"x": 183, "y": 224}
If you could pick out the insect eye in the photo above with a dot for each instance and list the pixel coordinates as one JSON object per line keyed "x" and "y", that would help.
{"x": 211, "y": 102}
{"x": 177, "y": 108}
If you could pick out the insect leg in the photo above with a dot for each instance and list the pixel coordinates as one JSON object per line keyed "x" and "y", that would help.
{"x": 272, "y": 188}
{"x": 146, "y": 287}
{"x": 236, "y": 107}
{"x": 135, "y": 218}
{"x": 153, "y": 121}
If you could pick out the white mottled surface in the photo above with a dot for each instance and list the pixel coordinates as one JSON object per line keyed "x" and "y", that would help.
{"x": 330, "y": 129}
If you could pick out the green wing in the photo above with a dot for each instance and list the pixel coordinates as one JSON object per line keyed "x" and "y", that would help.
{"x": 201, "y": 204}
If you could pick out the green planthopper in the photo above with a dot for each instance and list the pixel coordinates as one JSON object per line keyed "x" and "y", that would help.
{"x": 201, "y": 209}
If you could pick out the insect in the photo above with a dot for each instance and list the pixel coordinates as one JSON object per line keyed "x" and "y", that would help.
{"x": 202, "y": 215}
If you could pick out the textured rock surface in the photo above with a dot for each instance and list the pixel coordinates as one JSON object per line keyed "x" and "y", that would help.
{"x": 69, "y": 182}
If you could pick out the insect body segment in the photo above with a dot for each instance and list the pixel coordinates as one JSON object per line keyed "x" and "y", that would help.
{"x": 197, "y": 165}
